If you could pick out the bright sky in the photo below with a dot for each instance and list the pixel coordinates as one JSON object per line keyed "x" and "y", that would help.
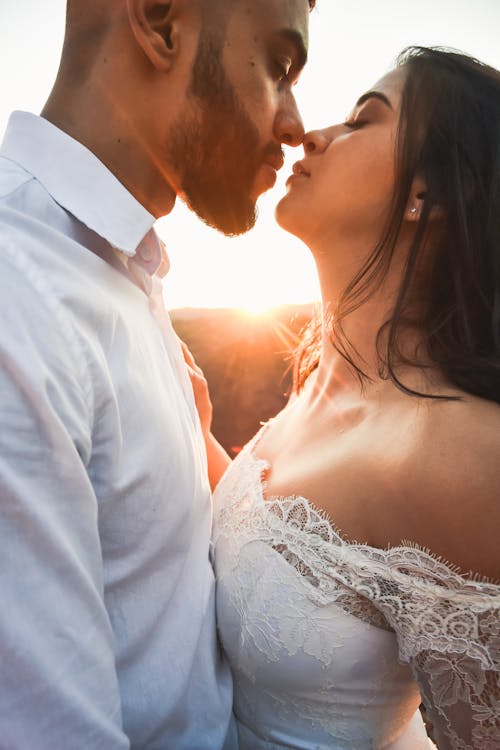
{"x": 352, "y": 45}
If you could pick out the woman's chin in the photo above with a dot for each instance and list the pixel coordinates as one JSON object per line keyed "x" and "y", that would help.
{"x": 286, "y": 216}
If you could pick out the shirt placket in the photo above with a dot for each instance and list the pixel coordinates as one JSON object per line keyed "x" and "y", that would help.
{"x": 147, "y": 268}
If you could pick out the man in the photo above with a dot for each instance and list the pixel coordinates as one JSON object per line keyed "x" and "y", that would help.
{"x": 107, "y": 632}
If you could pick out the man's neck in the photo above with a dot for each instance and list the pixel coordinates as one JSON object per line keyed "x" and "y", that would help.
{"x": 118, "y": 142}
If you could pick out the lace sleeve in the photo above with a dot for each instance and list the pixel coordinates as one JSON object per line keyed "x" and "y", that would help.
{"x": 447, "y": 626}
{"x": 448, "y": 630}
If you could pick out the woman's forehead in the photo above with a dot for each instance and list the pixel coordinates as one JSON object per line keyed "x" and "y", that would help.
{"x": 391, "y": 84}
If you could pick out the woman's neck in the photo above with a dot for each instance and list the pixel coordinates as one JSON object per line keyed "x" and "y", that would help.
{"x": 360, "y": 329}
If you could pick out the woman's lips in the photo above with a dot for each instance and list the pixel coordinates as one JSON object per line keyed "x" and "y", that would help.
{"x": 299, "y": 172}
{"x": 299, "y": 169}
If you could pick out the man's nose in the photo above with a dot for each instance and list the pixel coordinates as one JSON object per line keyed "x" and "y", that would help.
{"x": 288, "y": 125}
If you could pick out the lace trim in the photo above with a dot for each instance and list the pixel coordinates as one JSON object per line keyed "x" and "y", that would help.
{"x": 354, "y": 575}
{"x": 335, "y": 535}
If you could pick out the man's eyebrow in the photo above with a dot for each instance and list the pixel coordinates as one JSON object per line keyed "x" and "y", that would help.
{"x": 296, "y": 39}
{"x": 373, "y": 95}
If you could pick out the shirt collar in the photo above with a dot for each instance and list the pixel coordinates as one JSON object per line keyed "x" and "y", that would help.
{"x": 78, "y": 181}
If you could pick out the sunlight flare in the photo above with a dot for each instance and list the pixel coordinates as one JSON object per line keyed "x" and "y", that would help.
{"x": 257, "y": 308}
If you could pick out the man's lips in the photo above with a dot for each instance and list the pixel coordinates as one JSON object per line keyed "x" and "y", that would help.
{"x": 275, "y": 161}
{"x": 272, "y": 162}
{"x": 266, "y": 176}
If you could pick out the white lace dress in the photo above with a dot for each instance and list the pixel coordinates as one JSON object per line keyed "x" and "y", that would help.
{"x": 334, "y": 644}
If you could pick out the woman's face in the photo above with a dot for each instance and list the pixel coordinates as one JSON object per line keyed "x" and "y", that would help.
{"x": 343, "y": 186}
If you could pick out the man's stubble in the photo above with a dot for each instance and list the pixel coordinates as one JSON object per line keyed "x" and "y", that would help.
{"x": 214, "y": 146}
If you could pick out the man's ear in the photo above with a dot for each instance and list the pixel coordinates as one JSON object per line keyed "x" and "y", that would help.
{"x": 416, "y": 201}
{"x": 155, "y": 25}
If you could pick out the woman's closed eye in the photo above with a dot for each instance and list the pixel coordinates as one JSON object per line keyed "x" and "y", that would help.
{"x": 365, "y": 113}
{"x": 353, "y": 124}
{"x": 357, "y": 118}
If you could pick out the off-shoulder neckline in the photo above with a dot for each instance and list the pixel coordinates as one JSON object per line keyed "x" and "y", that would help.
{"x": 264, "y": 466}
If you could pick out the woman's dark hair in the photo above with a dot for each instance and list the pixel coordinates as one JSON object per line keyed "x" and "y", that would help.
{"x": 449, "y": 133}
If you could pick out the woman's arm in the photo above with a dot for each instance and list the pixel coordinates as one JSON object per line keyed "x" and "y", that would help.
{"x": 217, "y": 458}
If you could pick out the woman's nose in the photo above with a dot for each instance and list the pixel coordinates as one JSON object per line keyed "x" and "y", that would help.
{"x": 315, "y": 141}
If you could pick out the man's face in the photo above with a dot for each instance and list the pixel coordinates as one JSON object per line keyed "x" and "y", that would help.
{"x": 226, "y": 144}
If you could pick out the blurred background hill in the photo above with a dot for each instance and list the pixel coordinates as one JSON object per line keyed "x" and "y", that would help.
{"x": 246, "y": 358}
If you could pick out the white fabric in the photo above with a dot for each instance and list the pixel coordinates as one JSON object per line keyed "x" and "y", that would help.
{"x": 332, "y": 644}
{"x": 107, "y": 630}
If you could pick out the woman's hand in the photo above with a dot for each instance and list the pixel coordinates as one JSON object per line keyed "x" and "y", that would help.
{"x": 217, "y": 458}
{"x": 200, "y": 390}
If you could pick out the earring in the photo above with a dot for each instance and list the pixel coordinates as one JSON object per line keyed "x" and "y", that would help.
{"x": 413, "y": 210}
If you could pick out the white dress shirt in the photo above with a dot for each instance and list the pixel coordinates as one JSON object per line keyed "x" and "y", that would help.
{"x": 107, "y": 624}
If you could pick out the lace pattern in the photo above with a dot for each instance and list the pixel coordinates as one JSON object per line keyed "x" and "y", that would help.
{"x": 447, "y": 626}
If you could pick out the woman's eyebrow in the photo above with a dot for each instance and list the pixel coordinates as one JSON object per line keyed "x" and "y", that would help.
{"x": 373, "y": 95}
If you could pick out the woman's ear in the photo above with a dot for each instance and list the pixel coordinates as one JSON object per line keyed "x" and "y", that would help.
{"x": 416, "y": 200}
{"x": 156, "y": 27}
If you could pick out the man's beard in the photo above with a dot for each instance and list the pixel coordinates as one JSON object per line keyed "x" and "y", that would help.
{"x": 215, "y": 147}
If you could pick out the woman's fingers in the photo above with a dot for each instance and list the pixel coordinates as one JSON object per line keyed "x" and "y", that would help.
{"x": 187, "y": 354}
{"x": 189, "y": 358}
{"x": 200, "y": 388}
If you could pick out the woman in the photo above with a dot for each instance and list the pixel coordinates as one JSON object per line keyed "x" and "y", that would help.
{"x": 392, "y": 437}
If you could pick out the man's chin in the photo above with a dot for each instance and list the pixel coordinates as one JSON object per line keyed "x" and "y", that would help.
{"x": 226, "y": 216}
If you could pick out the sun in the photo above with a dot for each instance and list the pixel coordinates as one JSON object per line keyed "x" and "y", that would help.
{"x": 257, "y": 308}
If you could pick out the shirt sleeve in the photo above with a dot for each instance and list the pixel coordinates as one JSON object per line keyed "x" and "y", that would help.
{"x": 448, "y": 630}
{"x": 58, "y": 683}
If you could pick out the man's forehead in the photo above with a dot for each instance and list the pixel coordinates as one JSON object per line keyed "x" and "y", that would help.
{"x": 288, "y": 18}
{"x": 287, "y": 13}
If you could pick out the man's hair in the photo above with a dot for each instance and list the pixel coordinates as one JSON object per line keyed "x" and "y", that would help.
{"x": 448, "y": 133}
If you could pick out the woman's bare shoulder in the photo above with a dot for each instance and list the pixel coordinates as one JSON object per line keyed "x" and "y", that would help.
{"x": 465, "y": 432}
{"x": 452, "y": 474}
